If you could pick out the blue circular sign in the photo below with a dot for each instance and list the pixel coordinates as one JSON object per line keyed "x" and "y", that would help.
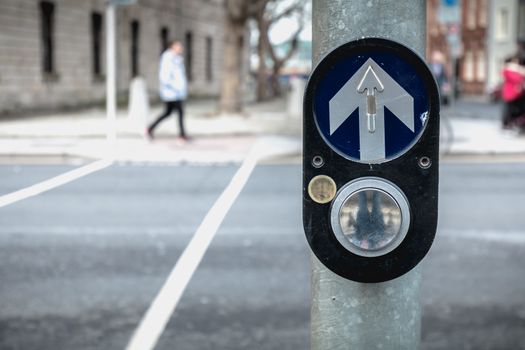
{"x": 371, "y": 105}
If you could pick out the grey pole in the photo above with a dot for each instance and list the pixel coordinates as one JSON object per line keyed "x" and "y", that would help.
{"x": 346, "y": 314}
{"x": 111, "y": 77}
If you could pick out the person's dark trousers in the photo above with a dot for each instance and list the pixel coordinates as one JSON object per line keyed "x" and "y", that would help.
{"x": 170, "y": 107}
{"x": 507, "y": 115}
{"x": 514, "y": 109}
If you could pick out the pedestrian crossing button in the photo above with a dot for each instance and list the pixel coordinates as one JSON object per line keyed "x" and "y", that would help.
{"x": 370, "y": 217}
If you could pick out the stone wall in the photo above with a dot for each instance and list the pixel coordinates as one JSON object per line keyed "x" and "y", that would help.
{"x": 25, "y": 86}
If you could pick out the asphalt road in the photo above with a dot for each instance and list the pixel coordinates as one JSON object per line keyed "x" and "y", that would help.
{"x": 80, "y": 264}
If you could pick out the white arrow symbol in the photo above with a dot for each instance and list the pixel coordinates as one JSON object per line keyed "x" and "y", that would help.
{"x": 370, "y": 83}
{"x": 382, "y": 91}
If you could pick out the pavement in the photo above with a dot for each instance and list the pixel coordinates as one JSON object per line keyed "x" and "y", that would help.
{"x": 83, "y": 135}
{"x": 470, "y": 128}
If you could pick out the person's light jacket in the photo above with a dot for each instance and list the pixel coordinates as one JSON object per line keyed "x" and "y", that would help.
{"x": 172, "y": 77}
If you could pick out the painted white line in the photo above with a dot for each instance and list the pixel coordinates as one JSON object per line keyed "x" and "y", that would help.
{"x": 503, "y": 236}
{"x": 54, "y": 182}
{"x": 157, "y": 316}
{"x": 149, "y": 232}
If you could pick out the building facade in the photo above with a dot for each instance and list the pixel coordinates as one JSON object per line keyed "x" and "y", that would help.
{"x": 489, "y": 32}
{"x": 521, "y": 24}
{"x": 502, "y": 41}
{"x": 436, "y": 30}
{"x": 492, "y": 31}
{"x": 473, "y": 66}
{"x": 52, "y": 53}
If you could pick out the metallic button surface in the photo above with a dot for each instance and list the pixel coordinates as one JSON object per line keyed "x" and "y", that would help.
{"x": 370, "y": 216}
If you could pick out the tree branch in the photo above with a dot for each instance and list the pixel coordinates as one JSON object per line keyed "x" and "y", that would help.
{"x": 256, "y": 8}
{"x": 294, "y": 41}
{"x": 268, "y": 15}
{"x": 297, "y": 7}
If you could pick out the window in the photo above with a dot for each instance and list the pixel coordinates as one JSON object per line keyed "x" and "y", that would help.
{"x": 521, "y": 21}
{"x": 96, "y": 41}
{"x": 164, "y": 37}
{"x": 483, "y": 8}
{"x": 189, "y": 55}
{"x": 502, "y": 24}
{"x": 471, "y": 14}
{"x": 468, "y": 66}
{"x": 481, "y": 66}
{"x": 135, "y": 31}
{"x": 47, "y": 18}
{"x": 209, "y": 58}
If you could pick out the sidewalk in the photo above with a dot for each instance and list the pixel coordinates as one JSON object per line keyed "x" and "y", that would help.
{"x": 470, "y": 128}
{"x": 215, "y": 138}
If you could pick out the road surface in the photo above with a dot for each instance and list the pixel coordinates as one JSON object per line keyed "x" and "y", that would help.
{"x": 80, "y": 264}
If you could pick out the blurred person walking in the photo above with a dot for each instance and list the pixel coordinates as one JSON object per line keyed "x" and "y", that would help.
{"x": 513, "y": 92}
{"x": 438, "y": 68}
{"x": 173, "y": 86}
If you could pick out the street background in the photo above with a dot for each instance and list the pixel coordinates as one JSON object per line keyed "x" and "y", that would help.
{"x": 81, "y": 263}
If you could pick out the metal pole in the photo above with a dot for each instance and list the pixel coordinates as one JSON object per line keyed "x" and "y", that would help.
{"x": 111, "y": 77}
{"x": 347, "y": 314}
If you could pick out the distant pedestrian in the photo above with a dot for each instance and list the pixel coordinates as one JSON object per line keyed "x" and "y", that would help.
{"x": 438, "y": 68}
{"x": 513, "y": 91}
{"x": 173, "y": 86}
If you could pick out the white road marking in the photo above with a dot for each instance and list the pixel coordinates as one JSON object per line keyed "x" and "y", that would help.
{"x": 499, "y": 236}
{"x": 54, "y": 182}
{"x": 503, "y": 236}
{"x": 157, "y": 316}
{"x": 180, "y": 231}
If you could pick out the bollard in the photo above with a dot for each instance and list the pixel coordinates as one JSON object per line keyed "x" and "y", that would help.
{"x": 111, "y": 78}
{"x": 295, "y": 96}
{"x": 138, "y": 108}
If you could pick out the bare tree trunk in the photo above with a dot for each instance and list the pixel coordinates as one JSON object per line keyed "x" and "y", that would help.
{"x": 265, "y": 48}
{"x": 274, "y": 79}
{"x": 262, "y": 70}
{"x": 231, "y": 95}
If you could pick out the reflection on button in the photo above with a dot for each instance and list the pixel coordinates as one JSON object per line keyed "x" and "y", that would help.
{"x": 370, "y": 219}
{"x": 370, "y": 216}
